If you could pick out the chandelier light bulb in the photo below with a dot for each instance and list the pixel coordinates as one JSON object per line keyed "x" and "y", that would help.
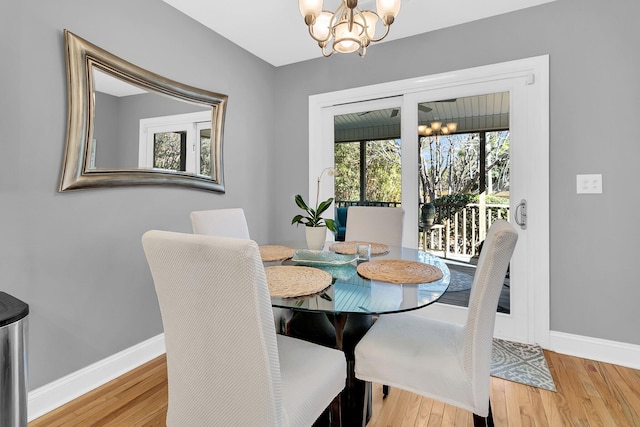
{"x": 437, "y": 128}
{"x": 370, "y": 20}
{"x": 388, "y": 10}
{"x": 321, "y": 28}
{"x": 310, "y": 9}
{"x": 347, "y": 41}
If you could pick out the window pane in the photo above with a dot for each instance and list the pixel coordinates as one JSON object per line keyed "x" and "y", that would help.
{"x": 383, "y": 171}
{"x": 347, "y": 164}
{"x": 449, "y": 165}
{"x": 169, "y": 150}
{"x": 498, "y": 162}
{"x": 205, "y": 152}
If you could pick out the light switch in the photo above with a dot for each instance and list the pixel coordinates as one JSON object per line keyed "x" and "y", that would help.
{"x": 589, "y": 184}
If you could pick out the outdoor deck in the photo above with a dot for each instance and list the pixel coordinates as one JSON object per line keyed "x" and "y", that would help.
{"x": 461, "y": 298}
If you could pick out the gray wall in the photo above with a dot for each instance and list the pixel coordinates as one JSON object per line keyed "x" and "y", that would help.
{"x": 594, "y": 103}
{"x": 106, "y": 132}
{"x": 76, "y": 258}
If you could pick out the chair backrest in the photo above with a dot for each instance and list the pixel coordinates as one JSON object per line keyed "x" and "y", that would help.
{"x": 375, "y": 224}
{"x": 220, "y": 222}
{"x": 222, "y": 356}
{"x": 483, "y": 303}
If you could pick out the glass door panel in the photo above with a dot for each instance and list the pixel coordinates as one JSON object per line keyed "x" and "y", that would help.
{"x": 463, "y": 174}
{"x": 367, "y": 158}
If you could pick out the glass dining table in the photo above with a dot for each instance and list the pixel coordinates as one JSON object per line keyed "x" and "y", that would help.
{"x": 341, "y": 314}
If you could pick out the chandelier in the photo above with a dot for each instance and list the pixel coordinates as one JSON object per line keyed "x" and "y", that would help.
{"x": 348, "y": 29}
{"x": 436, "y": 129}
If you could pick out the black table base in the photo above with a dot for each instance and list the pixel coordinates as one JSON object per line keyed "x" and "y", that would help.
{"x": 341, "y": 331}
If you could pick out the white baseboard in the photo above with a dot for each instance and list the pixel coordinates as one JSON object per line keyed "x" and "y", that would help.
{"x": 615, "y": 352}
{"x": 65, "y": 389}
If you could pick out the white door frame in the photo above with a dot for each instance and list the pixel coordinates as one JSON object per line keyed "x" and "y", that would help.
{"x": 528, "y": 81}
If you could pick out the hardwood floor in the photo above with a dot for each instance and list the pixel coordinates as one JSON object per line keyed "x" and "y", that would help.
{"x": 589, "y": 394}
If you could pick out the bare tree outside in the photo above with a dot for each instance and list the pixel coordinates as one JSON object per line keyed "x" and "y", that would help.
{"x": 450, "y": 164}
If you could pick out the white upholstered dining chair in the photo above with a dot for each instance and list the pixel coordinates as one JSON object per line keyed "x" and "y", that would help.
{"x": 375, "y": 224}
{"x": 226, "y": 365}
{"x": 220, "y": 222}
{"x": 231, "y": 222}
{"x": 446, "y": 362}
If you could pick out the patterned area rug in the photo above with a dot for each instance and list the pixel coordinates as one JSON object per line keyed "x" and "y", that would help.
{"x": 461, "y": 277}
{"x": 521, "y": 363}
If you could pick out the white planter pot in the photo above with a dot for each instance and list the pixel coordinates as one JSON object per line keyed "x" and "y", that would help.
{"x": 316, "y": 236}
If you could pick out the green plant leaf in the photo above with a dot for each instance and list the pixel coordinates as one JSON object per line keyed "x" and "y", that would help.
{"x": 331, "y": 224}
{"x": 324, "y": 206}
{"x": 300, "y": 202}
{"x": 297, "y": 219}
{"x": 315, "y": 215}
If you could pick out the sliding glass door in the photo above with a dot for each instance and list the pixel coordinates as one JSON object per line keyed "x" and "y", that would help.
{"x": 483, "y": 167}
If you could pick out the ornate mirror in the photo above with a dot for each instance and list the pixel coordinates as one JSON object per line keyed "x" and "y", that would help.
{"x": 129, "y": 126}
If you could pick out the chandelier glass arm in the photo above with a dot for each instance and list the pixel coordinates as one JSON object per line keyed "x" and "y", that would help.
{"x": 330, "y": 24}
{"x": 386, "y": 31}
{"x": 324, "y": 50}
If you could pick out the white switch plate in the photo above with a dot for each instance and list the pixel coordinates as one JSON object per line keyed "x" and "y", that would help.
{"x": 589, "y": 184}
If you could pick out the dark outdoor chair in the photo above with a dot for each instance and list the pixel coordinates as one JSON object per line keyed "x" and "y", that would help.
{"x": 341, "y": 222}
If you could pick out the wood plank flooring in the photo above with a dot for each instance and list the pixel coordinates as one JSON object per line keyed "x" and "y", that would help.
{"x": 589, "y": 394}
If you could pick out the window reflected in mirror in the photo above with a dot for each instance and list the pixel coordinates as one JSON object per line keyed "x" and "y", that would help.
{"x": 205, "y": 150}
{"x": 180, "y": 143}
{"x": 169, "y": 151}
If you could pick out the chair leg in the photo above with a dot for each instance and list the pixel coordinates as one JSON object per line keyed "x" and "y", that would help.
{"x": 336, "y": 413}
{"x": 385, "y": 391}
{"x": 487, "y": 421}
{"x": 365, "y": 404}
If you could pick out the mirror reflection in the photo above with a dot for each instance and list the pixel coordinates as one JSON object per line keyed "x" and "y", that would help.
{"x": 128, "y": 126}
{"x": 135, "y": 128}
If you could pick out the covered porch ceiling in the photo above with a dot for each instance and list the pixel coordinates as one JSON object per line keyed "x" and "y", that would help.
{"x": 488, "y": 112}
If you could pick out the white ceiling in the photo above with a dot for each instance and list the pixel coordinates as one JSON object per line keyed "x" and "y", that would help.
{"x": 274, "y": 30}
{"x": 107, "y": 83}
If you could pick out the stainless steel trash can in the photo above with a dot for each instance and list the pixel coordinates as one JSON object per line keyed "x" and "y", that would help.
{"x": 13, "y": 361}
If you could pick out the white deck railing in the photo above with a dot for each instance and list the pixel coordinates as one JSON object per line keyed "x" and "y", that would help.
{"x": 461, "y": 229}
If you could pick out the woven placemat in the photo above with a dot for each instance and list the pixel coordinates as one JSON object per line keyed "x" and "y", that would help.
{"x": 399, "y": 271}
{"x": 276, "y": 253}
{"x": 350, "y": 247}
{"x": 286, "y": 281}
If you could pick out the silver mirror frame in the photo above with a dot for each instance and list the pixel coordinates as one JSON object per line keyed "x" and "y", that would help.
{"x": 81, "y": 57}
